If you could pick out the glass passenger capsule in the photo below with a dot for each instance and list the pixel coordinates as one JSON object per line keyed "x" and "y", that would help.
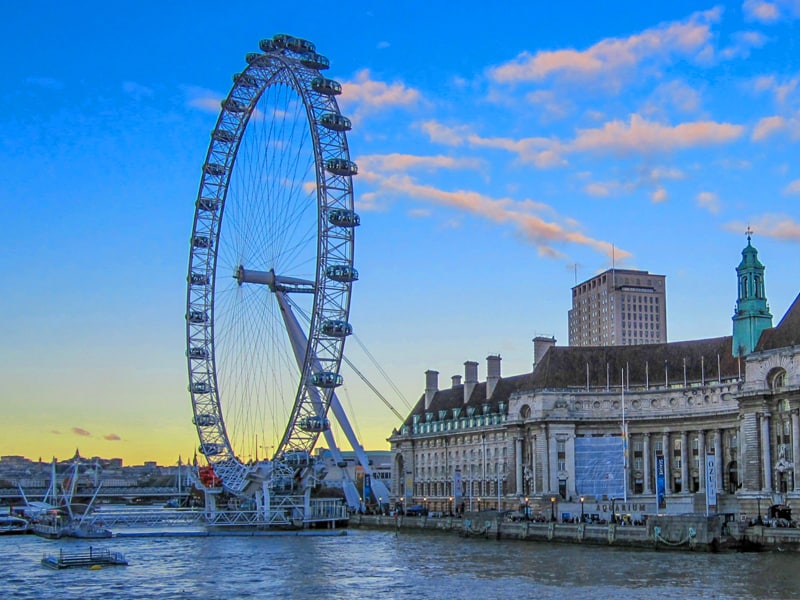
{"x": 341, "y": 166}
{"x": 221, "y": 135}
{"x": 215, "y": 169}
{"x": 197, "y": 316}
{"x": 336, "y": 328}
{"x": 326, "y": 379}
{"x": 205, "y": 420}
{"x": 315, "y": 61}
{"x": 246, "y": 80}
{"x": 208, "y": 204}
{"x": 234, "y": 106}
{"x": 336, "y": 122}
{"x": 200, "y": 387}
{"x": 198, "y": 279}
{"x": 314, "y": 424}
{"x": 326, "y": 87}
{"x": 267, "y": 45}
{"x": 209, "y": 449}
{"x": 251, "y": 57}
{"x": 197, "y": 352}
{"x": 343, "y": 217}
{"x": 202, "y": 241}
{"x": 297, "y": 458}
{"x": 342, "y": 273}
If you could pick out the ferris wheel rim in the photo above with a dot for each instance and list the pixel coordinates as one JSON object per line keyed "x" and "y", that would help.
{"x": 279, "y": 64}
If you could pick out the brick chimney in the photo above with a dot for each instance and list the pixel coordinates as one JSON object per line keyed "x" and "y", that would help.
{"x": 431, "y": 386}
{"x": 492, "y": 373}
{"x": 456, "y": 380}
{"x": 470, "y": 379}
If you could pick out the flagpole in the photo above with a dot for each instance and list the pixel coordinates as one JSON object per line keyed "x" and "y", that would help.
{"x": 624, "y": 443}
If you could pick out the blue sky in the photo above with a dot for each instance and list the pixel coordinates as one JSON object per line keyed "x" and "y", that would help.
{"x": 503, "y": 151}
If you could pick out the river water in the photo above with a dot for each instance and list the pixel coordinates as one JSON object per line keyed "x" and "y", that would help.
{"x": 377, "y": 564}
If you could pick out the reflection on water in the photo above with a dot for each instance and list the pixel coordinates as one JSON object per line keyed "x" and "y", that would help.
{"x": 369, "y": 564}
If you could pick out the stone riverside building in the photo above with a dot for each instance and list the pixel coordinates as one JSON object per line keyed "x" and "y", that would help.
{"x": 711, "y": 420}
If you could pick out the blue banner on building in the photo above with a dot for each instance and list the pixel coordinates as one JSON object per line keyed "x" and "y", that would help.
{"x": 367, "y": 489}
{"x": 600, "y": 466}
{"x": 661, "y": 483}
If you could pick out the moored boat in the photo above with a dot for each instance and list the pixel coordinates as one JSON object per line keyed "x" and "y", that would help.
{"x": 11, "y": 525}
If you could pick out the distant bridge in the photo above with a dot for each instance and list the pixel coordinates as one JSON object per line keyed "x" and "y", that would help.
{"x": 13, "y": 495}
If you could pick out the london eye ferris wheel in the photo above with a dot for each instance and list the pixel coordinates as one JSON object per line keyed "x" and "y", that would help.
{"x": 271, "y": 263}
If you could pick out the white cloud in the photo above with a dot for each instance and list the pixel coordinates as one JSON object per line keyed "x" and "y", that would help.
{"x": 709, "y": 201}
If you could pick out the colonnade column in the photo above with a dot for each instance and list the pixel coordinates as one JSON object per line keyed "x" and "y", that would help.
{"x": 552, "y": 459}
{"x": 766, "y": 455}
{"x": 718, "y": 458}
{"x": 648, "y": 488}
{"x": 518, "y": 466}
{"x": 545, "y": 461}
{"x": 796, "y": 450}
{"x": 666, "y": 453}
{"x": 701, "y": 464}
{"x": 684, "y": 461}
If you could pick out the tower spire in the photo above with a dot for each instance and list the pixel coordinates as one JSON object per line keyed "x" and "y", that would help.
{"x": 752, "y": 314}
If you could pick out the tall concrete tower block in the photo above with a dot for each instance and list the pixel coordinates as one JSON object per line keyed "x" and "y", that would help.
{"x": 752, "y": 314}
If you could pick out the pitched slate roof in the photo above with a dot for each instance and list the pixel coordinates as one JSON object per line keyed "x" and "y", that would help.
{"x": 564, "y": 367}
{"x": 787, "y": 333}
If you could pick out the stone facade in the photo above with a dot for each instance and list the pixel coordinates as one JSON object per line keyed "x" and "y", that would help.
{"x": 691, "y": 407}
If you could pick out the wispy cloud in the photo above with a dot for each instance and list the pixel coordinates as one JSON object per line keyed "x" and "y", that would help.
{"x": 80, "y": 431}
{"x": 792, "y": 188}
{"x": 769, "y": 127}
{"x": 203, "y": 99}
{"x": 613, "y": 59}
{"x": 406, "y": 162}
{"x": 635, "y": 137}
{"x": 364, "y": 95}
{"x": 709, "y": 201}
{"x": 112, "y": 437}
{"x": 648, "y": 178}
{"x": 640, "y": 135}
{"x": 136, "y": 90}
{"x": 782, "y": 90}
{"x": 524, "y": 217}
{"x": 776, "y": 226}
{"x": 758, "y": 10}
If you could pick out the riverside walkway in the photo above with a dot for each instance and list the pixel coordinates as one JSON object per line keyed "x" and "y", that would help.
{"x": 691, "y": 532}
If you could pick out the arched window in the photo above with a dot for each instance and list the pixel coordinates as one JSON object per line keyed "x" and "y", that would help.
{"x": 525, "y": 412}
{"x": 776, "y": 379}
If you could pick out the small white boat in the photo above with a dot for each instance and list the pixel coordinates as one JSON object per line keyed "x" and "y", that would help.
{"x": 10, "y": 525}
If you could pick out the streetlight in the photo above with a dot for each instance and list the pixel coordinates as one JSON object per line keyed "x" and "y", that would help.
{"x": 582, "y": 499}
{"x": 758, "y": 519}
{"x": 425, "y": 506}
{"x": 450, "y": 505}
{"x": 380, "y": 505}
{"x": 527, "y": 510}
{"x": 552, "y": 508}
{"x": 613, "y": 511}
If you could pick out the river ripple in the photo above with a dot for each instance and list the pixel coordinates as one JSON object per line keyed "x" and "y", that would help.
{"x": 376, "y": 564}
